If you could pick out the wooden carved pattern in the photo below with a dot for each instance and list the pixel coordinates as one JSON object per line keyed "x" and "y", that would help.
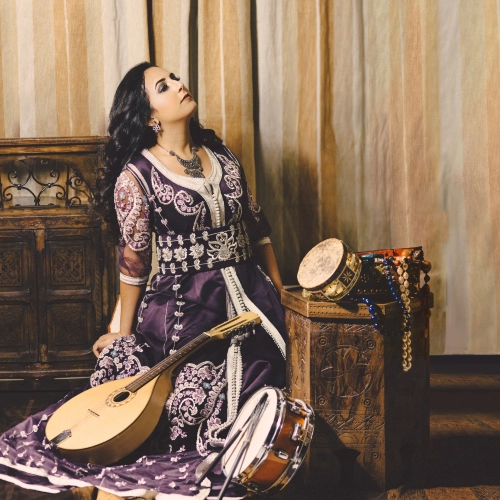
{"x": 298, "y": 355}
{"x": 97, "y": 285}
{"x": 345, "y": 371}
{"x": 11, "y": 267}
{"x": 11, "y": 326}
{"x": 347, "y": 387}
{"x": 97, "y": 293}
{"x": 356, "y": 430}
{"x": 67, "y": 265}
{"x": 354, "y": 422}
{"x": 343, "y": 360}
{"x": 69, "y": 325}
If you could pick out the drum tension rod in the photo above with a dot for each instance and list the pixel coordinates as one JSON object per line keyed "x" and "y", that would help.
{"x": 281, "y": 454}
{"x": 297, "y": 433}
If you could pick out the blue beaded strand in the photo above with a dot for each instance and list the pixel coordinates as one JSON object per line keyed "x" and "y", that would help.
{"x": 373, "y": 310}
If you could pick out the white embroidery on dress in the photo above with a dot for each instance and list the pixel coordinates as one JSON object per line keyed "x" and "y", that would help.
{"x": 130, "y": 205}
{"x": 253, "y": 206}
{"x": 164, "y": 192}
{"x": 233, "y": 182}
{"x": 223, "y": 248}
{"x": 196, "y": 398}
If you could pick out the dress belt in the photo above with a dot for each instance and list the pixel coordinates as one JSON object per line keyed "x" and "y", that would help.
{"x": 189, "y": 253}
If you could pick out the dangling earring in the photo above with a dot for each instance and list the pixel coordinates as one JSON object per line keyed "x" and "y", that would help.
{"x": 156, "y": 127}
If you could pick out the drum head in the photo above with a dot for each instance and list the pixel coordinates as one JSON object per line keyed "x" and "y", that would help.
{"x": 259, "y": 438}
{"x": 320, "y": 264}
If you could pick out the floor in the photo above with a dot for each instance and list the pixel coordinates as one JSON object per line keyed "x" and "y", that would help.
{"x": 465, "y": 439}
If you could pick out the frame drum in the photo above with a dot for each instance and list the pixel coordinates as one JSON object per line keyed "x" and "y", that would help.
{"x": 277, "y": 446}
{"x": 329, "y": 271}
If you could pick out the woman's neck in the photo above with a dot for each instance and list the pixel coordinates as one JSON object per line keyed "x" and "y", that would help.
{"x": 176, "y": 139}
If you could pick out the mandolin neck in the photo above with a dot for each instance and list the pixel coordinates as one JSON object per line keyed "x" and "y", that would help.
{"x": 169, "y": 362}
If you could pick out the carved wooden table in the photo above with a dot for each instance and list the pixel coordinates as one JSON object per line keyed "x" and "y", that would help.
{"x": 372, "y": 417}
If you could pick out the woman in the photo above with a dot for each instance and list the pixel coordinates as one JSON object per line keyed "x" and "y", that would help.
{"x": 165, "y": 174}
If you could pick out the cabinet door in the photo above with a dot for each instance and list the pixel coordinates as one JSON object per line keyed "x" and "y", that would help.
{"x": 70, "y": 297}
{"x": 18, "y": 297}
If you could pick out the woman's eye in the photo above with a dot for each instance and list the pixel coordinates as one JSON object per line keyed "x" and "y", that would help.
{"x": 173, "y": 77}
{"x": 163, "y": 87}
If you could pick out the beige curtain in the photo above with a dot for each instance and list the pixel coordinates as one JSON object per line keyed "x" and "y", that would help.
{"x": 375, "y": 121}
{"x": 61, "y": 61}
{"x": 378, "y": 124}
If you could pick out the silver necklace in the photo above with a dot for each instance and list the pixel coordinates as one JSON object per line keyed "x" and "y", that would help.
{"x": 192, "y": 167}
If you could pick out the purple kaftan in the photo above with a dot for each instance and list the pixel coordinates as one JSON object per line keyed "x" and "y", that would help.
{"x": 204, "y": 230}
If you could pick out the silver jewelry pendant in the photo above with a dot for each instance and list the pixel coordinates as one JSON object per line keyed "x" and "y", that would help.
{"x": 192, "y": 167}
{"x": 156, "y": 128}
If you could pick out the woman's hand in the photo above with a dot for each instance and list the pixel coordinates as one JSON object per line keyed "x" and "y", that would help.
{"x": 267, "y": 258}
{"x": 103, "y": 341}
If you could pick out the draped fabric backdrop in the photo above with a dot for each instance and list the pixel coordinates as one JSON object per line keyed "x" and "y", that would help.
{"x": 374, "y": 121}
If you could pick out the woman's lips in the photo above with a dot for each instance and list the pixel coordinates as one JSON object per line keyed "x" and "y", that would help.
{"x": 187, "y": 96}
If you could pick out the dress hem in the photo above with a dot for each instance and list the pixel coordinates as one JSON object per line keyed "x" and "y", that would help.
{"x": 77, "y": 483}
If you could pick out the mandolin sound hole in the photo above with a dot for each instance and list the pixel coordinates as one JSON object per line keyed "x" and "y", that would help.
{"x": 121, "y": 396}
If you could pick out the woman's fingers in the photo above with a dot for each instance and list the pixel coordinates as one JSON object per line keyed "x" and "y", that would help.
{"x": 103, "y": 341}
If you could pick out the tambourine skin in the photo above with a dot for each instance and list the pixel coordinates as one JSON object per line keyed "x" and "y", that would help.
{"x": 329, "y": 271}
{"x": 281, "y": 455}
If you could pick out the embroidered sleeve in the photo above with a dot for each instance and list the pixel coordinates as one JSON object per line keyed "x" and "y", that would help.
{"x": 134, "y": 249}
{"x": 256, "y": 222}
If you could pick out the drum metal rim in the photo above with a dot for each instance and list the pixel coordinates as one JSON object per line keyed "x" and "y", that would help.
{"x": 264, "y": 450}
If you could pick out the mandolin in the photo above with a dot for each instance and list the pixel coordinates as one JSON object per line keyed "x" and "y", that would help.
{"x": 106, "y": 423}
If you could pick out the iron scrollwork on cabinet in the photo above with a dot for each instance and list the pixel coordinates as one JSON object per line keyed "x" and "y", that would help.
{"x": 42, "y": 181}
{"x": 57, "y": 273}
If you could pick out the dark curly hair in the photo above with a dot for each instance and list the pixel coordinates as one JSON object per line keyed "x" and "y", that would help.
{"x": 128, "y": 134}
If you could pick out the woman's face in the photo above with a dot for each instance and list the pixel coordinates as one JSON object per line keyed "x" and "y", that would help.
{"x": 169, "y": 98}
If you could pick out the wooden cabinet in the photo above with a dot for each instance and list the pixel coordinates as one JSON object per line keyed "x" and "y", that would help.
{"x": 57, "y": 266}
{"x": 372, "y": 418}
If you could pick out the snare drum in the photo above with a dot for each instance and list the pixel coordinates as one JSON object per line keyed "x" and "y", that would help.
{"x": 277, "y": 446}
{"x": 329, "y": 271}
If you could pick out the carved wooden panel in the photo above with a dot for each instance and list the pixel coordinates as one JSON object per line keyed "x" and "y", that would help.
{"x": 72, "y": 296}
{"x": 68, "y": 262}
{"x": 67, "y": 265}
{"x": 70, "y": 327}
{"x": 18, "y": 318}
{"x": 13, "y": 264}
{"x": 14, "y": 328}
